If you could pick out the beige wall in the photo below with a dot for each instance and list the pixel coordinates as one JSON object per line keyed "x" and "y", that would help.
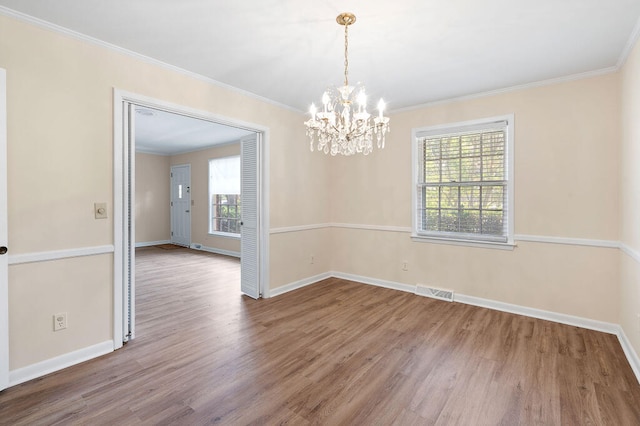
{"x": 199, "y": 161}
{"x": 630, "y": 200}
{"x": 566, "y": 185}
{"x": 60, "y": 151}
{"x": 152, "y": 198}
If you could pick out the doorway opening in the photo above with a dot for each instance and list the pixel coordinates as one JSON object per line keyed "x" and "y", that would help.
{"x": 254, "y": 237}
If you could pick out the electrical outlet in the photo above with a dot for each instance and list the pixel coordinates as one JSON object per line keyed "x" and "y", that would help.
{"x": 60, "y": 321}
{"x": 313, "y": 259}
{"x": 405, "y": 265}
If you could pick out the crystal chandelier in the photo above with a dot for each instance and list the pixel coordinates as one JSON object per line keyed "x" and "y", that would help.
{"x": 344, "y": 125}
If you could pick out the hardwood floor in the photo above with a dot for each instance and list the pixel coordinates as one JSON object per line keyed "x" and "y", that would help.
{"x": 333, "y": 353}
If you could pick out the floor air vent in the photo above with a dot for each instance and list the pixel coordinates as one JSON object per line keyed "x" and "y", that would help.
{"x": 436, "y": 293}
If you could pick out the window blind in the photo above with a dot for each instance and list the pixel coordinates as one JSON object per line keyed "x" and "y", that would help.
{"x": 462, "y": 183}
{"x": 224, "y": 175}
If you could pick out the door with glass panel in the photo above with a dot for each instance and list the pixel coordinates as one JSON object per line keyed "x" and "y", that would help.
{"x": 181, "y": 205}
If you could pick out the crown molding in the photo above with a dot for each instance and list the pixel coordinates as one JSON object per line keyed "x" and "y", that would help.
{"x": 633, "y": 39}
{"x": 147, "y": 59}
{"x": 541, "y": 83}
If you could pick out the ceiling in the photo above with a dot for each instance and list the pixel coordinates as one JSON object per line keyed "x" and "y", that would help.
{"x": 165, "y": 133}
{"x": 410, "y": 52}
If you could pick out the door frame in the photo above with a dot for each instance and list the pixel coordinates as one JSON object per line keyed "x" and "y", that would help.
{"x": 171, "y": 194}
{"x": 4, "y": 238}
{"x": 122, "y": 162}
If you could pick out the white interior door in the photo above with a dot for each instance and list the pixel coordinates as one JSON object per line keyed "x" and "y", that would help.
{"x": 181, "y": 205}
{"x": 4, "y": 240}
{"x": 249, "y": 231}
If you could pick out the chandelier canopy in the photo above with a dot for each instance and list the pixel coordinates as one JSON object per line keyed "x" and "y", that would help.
{"x": 344, "y": 126}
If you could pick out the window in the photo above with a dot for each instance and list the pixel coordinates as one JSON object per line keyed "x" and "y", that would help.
{"x": 224, "y": 195}
{"x": 463, "y": 182}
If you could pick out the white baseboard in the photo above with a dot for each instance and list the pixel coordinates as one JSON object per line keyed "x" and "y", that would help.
{"x": 589, "y": 324}
{"x": 374, "y": 281}
{"x": 51, "y": 365}
{"x": 152, "y": 243}
{"x": 196, "y": 246}
{"x": 297, "y": 284}
{"x": 605, "y": 327}
{"x": 630, "y": 353}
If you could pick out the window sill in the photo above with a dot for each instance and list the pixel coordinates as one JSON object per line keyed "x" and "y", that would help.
{"x": 461, "y": 242}
{"x": 225, "y": 235}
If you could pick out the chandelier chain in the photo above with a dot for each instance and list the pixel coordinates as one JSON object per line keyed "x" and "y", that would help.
{"x": 346, "y": 55}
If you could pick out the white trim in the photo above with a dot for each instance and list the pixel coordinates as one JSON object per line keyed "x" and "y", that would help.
{"x": 194, "y": 246}
{"x": 45, "y": 256}
{"x": 629, "y": 352}
{"x": 375, "y": 281}
{"x": 264, "y": 213}
{"x": 517, "y": 237}
{"x": 79, "y": 36}
{"x": 460, "y": 242}
{"x": 285, "y": 229}
{"x": 633, "y": 39}
{"x": 118, "y": 217}
{"x": 224, "y": 234}
{"x": 152, "y": 243}
{"x": 587, "y": 323}
{"x": 532, "y": 85}
{"x": 568, "y": 241}
{"x": 632, "y": 253}
{"x": 4, "y": 237}
{"x": 384, "y": 228}
{"x": 51, "y": 365}
{"x": 298, "y": 284}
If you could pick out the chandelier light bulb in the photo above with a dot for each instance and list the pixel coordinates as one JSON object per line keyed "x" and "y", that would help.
{"x": 381, "y": 106}
{"x": 362, "y": 100}
{"x": 325, "y": 100}
{"x": 341, "y": 128}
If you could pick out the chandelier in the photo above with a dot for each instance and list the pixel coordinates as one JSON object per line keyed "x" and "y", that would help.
{"x": 344, "y": 126}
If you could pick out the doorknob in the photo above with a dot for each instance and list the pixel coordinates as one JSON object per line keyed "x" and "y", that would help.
{"x": 3, "y": 250}
{"x": 186, "y": 211}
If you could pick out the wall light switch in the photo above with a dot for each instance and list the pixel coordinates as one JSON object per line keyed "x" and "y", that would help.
{"x": 100, "y": 210}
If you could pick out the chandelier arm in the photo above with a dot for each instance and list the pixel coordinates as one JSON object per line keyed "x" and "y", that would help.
{"x": 369, "y": 128}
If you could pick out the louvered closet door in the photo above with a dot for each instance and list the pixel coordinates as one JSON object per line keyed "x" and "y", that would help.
{"x": 250, "y": 196}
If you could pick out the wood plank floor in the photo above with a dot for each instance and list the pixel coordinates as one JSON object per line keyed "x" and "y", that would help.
{"x": 333, "y": 353}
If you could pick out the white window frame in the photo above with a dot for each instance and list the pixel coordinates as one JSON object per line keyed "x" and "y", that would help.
{"x": 464, "y": 239}
{"x": 210, "y": 218}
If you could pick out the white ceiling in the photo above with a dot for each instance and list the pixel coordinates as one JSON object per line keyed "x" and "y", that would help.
{"x": 165, "y": 133}
{"x": 410, "y": 52}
